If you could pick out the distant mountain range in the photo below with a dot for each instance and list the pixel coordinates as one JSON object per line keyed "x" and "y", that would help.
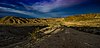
{"x": 18, "y": 20}
{"x": 12, "y": 19}
{"x": 83, "y": 20}
{"x": 76, "y": 20}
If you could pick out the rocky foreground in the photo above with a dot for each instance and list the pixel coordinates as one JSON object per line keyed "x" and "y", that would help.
{"x": 24, "y": 36}
{"x": 46, "y": 37}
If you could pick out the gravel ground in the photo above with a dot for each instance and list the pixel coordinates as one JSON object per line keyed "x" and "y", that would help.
{"x": 70, "y": 38}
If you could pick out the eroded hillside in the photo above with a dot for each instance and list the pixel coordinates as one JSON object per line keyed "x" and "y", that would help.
{"x": 26, "y": 21}
{"x": 92, "y": 20}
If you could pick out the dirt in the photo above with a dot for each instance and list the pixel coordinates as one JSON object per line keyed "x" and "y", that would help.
{"x": 70, "y": 38}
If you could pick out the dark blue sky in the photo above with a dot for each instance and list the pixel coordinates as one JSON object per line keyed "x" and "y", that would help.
{"x": 47, "y": 8}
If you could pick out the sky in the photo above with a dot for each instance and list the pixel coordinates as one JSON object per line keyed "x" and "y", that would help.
{"x": 47, "y": 8}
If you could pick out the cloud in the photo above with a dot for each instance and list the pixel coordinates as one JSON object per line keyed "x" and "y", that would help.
{"x": 8, "y": 4}
{"x": 44, "y": 8}
{"x": 48, "y": 6}
{"x": 4, "y": 9}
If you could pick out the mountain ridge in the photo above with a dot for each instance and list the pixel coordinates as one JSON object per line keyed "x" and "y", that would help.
{"x": 35, "y": 21}
{"x": 92, "y": 20}
{"x": 12, "y": 19}
{"x": 75, "y": 20}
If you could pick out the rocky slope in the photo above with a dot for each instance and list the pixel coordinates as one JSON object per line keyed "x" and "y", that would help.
{"x": 23, "y": 36}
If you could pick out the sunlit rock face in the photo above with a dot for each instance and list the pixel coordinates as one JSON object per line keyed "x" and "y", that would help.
{"x": 47, "y": 8}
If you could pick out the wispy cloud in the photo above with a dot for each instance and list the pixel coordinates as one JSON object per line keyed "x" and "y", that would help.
{"x": 8, "y": 4}
{"x": 18, "y": 11}
{"x": 48, "y": 6}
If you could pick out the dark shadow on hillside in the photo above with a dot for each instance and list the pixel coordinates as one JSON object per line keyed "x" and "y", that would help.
{"x": 11, "y": 34}
{"x": 92, "y": 30}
